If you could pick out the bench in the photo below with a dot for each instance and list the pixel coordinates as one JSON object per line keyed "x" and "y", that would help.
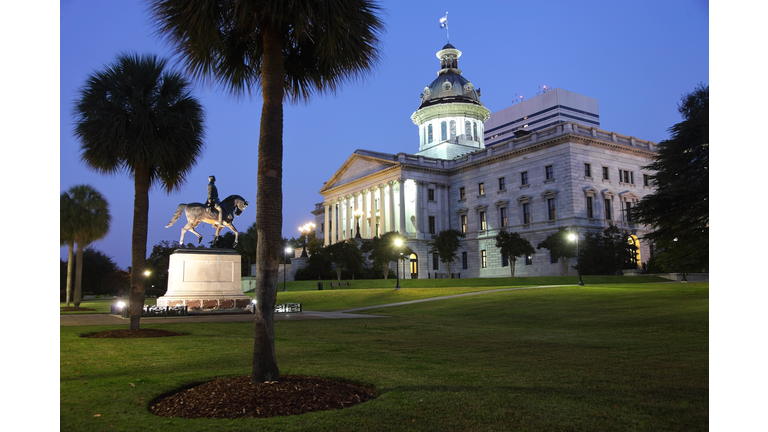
{"x": 339, "y": 284}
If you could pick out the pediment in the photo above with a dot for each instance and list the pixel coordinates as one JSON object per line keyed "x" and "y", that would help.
{"x": 357, "y": 167}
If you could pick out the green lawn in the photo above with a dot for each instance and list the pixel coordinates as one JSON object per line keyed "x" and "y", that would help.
{"x": 600, "y": 357}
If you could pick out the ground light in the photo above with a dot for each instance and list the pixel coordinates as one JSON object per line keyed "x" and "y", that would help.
{"x": 572, "y": 237}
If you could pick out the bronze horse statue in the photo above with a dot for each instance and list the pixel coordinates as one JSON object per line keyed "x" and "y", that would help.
{"x": 198, "y": 213}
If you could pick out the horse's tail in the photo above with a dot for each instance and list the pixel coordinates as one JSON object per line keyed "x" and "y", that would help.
{"x": 176, "y": 215}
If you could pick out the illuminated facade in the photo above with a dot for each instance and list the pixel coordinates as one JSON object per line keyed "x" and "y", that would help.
{"x": 565, "y": 172}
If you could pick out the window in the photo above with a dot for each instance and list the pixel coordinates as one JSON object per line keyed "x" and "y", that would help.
{"x": 503, "y": 216}
{"x": 646, "y": 180}
{"x": 483, "y": 259}
{"x": 552, "y": 258}
{"x": 628, "y": 208}
{"x": 587, "y": 170}
{"x": 549, "y": 172}
{"x": 528, "y": 260}
{"x": 504, "y": 261}
{"x": 462, "y": 193}
{"x": 483, "y": 225}
{"x": 467, "y": 129}
{"x": 524, "y": 178}
{"x": 626, "y": 177}
{"x": 464, "y": 261}
{"x": 464, "y": 223}
{"x": 431, "y": 194}
{"x": 501, "y": 184}
{"x": 429, "y": 134}
{"x": 481, "y": 189}
{"x": 435, "y": 261}
{"x": 432, "y": 225}
{"x": 526, "y": 213}
{"x": 453, "y": 129}
{"x": 551, "y": 210}
{"x": 590, "y": 214}
{"x": 376, "y": 204}
{"x": 608, "y": 209}
{"x": 322, "y": 227}
{"x": 605, "y": 173}
{"x": 474, "y": 130}
{"x": 443, "y": 131}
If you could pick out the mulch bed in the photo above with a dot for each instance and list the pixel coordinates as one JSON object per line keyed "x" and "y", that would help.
{"x": 238, "y": 398}
{"x": 140, "y": 333}
{"x": 74, "y": 309}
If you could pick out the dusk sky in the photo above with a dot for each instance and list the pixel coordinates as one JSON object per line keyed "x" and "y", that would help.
{"x": 635, "y": 58}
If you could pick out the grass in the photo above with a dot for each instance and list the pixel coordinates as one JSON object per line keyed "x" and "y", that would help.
{"x": 101, "y": 305}
{"x": 609, "y": 357}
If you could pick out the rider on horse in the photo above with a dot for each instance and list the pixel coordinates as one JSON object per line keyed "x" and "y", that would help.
{"x": 213, "y": 199}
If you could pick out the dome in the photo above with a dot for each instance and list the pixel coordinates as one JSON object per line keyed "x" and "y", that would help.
{"x": 449, "y": 86}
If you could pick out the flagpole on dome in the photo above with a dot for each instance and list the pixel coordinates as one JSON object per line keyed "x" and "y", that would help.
{"x": 444, "y": 24}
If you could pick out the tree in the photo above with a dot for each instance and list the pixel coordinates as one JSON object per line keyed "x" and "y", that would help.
{"x": 446, "y": 244}
{"x": 607, "y": 251}
{"x": 347, "y": 256}
{"x": 382, "y": 250}
{"x": 678, "y": 209}
{"x": 513, "y": 246}
{"x": 158, "y": 264}
{"x": 560, "y": 247}
{"x": 84, "y": 219}
{"x": 247, "y": 245}
{"x": 288, "y": 50}
{"x": 136, "y": 118}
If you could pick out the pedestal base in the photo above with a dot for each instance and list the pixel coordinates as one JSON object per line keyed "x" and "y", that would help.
{"x": 206, "y": 281}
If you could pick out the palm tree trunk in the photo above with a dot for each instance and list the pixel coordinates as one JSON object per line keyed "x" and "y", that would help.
{"x": 70, "y": 269}
{"x": 269, "y": 202}
{"x": 139, "y": 244}
{"x": 77, "y": 298}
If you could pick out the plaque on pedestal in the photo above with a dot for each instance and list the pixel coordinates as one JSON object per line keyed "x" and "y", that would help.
{"x": 207, "y": 281}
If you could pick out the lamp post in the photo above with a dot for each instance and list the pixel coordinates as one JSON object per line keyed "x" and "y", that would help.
{"x": 285, "y": 265}
{"x": 304, "y": 230}
{"x": 572, "y": 237}
{"x": 357, "y": 214}
{"x": 398, "y": 243}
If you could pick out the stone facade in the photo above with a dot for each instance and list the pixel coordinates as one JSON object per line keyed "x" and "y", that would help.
{"x": 569, "y": 175}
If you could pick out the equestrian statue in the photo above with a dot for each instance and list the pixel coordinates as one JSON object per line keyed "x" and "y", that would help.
{"x": 219, "y": 214}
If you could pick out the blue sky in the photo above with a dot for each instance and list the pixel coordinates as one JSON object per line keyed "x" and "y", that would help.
{"x": 635, "y": 58}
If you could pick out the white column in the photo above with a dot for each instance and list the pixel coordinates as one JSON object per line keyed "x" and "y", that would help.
{"x": 391, "y": 205}
{"x": 335, "y": 221}
{"x": 355, "y": 207}
{"x": 417, "y": 208}
{"x": 439, "y": 198}
{"x": 381, "y": 210}
{"x": 364, "y": 219}
{"x": 403, "y": 229}
{"x": 326, "y": 237}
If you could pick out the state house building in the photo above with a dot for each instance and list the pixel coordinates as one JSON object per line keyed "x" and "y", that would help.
{"x": 530, "y": 168}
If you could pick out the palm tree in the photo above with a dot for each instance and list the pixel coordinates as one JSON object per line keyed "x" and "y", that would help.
{"x": 287, "y": 49}
{"x": 133, "y": 117}
{"x": 84, "y": 219}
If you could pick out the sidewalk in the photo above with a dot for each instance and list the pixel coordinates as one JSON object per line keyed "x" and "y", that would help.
{"x": 106, "y": 319}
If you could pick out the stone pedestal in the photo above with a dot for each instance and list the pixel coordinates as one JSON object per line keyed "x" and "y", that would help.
{"x": 206, "y": 281}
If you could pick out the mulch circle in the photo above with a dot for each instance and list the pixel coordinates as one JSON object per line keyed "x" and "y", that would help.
{"x": 140, "y": 333}
{"x": 239, "y": 398}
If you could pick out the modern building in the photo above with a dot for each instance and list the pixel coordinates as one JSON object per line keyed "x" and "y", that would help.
{"x": 531, "y": 168}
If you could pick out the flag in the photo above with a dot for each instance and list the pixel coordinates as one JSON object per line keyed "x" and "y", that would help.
{"x": 444, "y": 21}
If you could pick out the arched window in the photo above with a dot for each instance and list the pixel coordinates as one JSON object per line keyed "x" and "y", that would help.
{"x": 443, "y": 131}
{"x": 453, "y": 129}
{"x": 467, "y": 129}
{"x": 429, "y": 134}
{"x": 475, "y": 130}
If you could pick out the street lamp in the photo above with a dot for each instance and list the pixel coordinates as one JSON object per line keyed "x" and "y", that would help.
{"x": 398, "y": 243}
{"x": 572, "y": 237}
{"x": 304, "y": 230}
{"x": 285, "y": 265}
{"x": 357, "y": 214}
